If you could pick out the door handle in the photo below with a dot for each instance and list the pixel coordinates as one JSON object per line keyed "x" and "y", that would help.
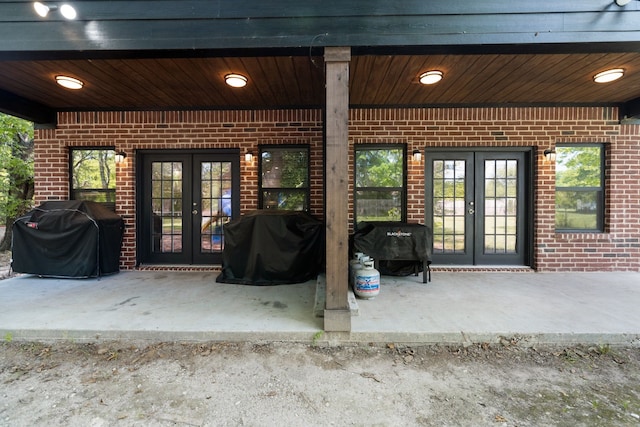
{"x": 194, "y": 212}
{"x": 471, "y": 211}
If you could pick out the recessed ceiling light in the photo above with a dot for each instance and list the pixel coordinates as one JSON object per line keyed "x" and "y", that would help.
{"x": 235, "y": 80}
{"x": 608, "y": 75}
{"x": 431, "y": 77}
{"x": 69, "y": 82}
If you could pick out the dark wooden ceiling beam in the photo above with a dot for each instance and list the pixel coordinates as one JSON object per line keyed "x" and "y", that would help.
{"x": 631, "y": 109}
{"x": 26, "y": 109}
{"x": 224, "y": 24}
{"x": 22, "y": 10}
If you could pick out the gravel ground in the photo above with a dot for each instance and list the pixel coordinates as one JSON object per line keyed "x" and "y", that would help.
{"x": 5, "y": 265}
{"x": 274, "y": 384}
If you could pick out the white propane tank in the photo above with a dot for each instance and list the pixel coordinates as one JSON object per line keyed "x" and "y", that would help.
{"x": 357, "y": 267}
{"x": 355, "y": 261}
{"x": 367, "y": 281}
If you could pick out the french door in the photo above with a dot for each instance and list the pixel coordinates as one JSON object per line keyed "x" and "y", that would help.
{"x": 186, "y": 198}
{"x": 477, "y": 206}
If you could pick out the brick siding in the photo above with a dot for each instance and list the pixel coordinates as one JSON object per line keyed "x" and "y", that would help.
{"x": 617, "y": 249}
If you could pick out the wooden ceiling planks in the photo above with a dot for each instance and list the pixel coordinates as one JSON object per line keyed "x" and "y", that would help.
{"x": 293, "y": 81}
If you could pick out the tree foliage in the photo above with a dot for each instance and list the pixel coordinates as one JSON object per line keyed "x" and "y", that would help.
{"x": 284, "y": 170}
{"x": 93, "y": 174}
{"x": 578, "y": 166}
{"x": 16, "y": 171}
{"x": 93, "y": 169}
{"x": 578, "y": 186}
{"x": 379, "y": 168}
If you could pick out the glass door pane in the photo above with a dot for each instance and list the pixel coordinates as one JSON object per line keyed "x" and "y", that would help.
{"x": 167, "y": 203}
{"x": 215, "y": 202}
{"x": 449, "y": 206}
{"x": 501, "y": 216}
{"x": 500, "y": 206}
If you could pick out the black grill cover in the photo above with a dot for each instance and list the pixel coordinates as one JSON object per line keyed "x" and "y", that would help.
{"x": 67, "y": 239}
{"x": 394, "y": 245}
{"x": 268, "y": 247}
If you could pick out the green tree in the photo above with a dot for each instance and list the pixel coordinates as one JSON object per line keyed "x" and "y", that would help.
{"x": 578, "y": 181}
{"x": 93, "y": 169}
{"x": 578, "y": 166}
{"x": 16, "y": 172}
{"x": 379, "y": 175}
{"x": 285, "y": 177}
{"x": 379, "y": 168}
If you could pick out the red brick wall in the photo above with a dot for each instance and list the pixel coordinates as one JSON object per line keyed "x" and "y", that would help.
{"x": 618, "y": 248}
{"x": 131, "y": 131}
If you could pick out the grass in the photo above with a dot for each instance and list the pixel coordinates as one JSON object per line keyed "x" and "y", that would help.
{"x": 317, "y": 337}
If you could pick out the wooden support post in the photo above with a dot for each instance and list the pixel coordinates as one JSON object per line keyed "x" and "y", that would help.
{"x": 337, "y": 317}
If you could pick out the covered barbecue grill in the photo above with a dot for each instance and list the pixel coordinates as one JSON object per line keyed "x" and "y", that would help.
{"x": 266, "y": 247}
{"x": 67, "y": 239}
{"x": 397, "y": 248}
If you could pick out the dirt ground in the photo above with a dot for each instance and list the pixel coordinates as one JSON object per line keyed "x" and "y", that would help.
{"x": 275, "y": 384}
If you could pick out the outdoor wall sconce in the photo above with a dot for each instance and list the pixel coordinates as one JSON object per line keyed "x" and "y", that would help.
{"x": 120, "y": 156}
{"x": 235, "y": 80}
{"x": 417, "y": 156}
{"x": 66, "y": 10}
{"x": 550, "y": 154}
{"x": 248, "y": 157}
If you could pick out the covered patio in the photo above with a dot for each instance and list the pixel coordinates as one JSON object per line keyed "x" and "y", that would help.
{"x": 151, "y": 82}
{"x": 457, "y": 308}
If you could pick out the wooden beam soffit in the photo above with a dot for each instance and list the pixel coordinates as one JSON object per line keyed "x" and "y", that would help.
{"x": 32, "y": 111}
{"x": 202, "y": 24}
{"x": 631, "y": 110}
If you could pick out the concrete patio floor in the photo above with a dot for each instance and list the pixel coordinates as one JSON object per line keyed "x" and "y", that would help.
{"x": 455, "y": 308}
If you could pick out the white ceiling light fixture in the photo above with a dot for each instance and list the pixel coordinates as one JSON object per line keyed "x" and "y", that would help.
{"x": 42, "y": 9}
{"x": 431, "y": 77}
{"x": 236, "y": 80}
{"x": 66, "y": 10}
{"x": 608, "y": 76}
{"x": 622, "y": 2}
{"x": 69, "y": 82}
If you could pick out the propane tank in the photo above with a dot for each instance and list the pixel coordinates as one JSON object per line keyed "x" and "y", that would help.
{"x": 367, "y": 281}
{"x": 352, "y": 263}
{"x": 357, "y": 267}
